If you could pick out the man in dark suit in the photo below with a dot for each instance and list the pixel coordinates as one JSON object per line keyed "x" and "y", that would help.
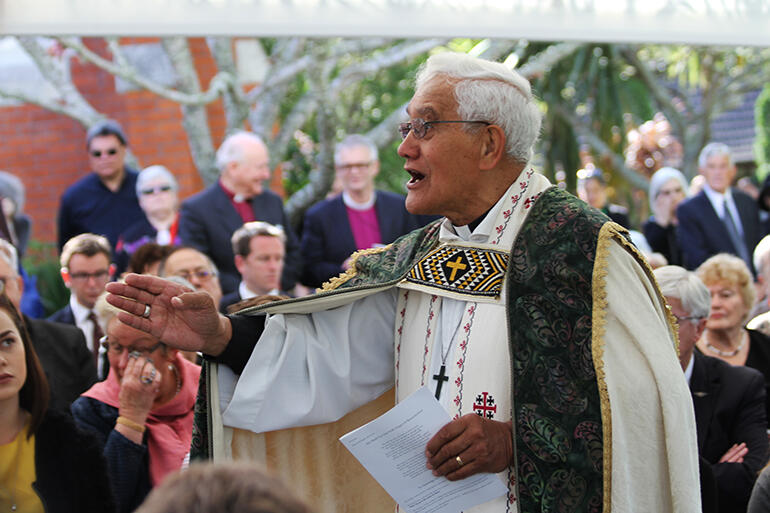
{"x": 259, "y": 254}
{"x": 360, "y": 218}
{"x": 719, "y": 219}
{"x": 209, "y": 218}
{"x": 729, "y": 401}
{"x": 67, "y": 362}
{"x": 85, "y": 270}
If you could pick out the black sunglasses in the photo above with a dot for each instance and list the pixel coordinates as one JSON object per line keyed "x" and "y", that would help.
{"x": 98, "y": 153}
{"x": 155, "y": 190}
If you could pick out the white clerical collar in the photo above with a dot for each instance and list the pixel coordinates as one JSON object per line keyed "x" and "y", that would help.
{"x": 79, "y": 312}
{"x": 351, "y": 203}
{"x": 247, "y": 293}
{"x": 688, "y": 370}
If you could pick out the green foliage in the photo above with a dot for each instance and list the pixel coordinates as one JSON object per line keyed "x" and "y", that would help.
{"x": 762, "y": 141}
{"x": 358, "y": 109}
{"x": 42, "y": 261}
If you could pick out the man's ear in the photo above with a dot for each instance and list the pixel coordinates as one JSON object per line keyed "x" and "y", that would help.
{"x": 376, "y": 168}
{"x": 492, "y": 147}
{"x": 20, "y": 284}
{"x": 699, "y": 328}
{"x": 65, "y": 276}
{"x": 239, "y": 264}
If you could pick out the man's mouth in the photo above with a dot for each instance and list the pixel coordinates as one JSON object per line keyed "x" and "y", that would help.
{"x": 416, "y": 177}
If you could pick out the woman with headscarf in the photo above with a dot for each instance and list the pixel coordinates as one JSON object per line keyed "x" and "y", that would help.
{"x": 668, "y": 187}
{"x": 143, "y": 412}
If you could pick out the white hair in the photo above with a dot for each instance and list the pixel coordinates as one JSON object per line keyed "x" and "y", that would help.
{"x": 231, "y": 150}
{"x": 714, "y": 149}
{"x": 661, "y": 177}
{"x": 679, "y": 283}
{"x": 490, "y": 91}
{"x": 760, "y": 256}
{"x": 355, "y": 141}
{"x": 13, "y": 188}
{"x": 151, "y": 173}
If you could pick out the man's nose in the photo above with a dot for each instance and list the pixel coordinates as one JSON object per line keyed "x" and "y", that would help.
{"x": 408, "y": 147}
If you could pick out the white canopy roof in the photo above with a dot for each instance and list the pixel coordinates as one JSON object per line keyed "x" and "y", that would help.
{"x": 708, "y": 22}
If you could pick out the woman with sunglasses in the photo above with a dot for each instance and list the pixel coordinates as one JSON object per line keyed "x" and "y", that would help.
{"x": 46, "y": 463}
{"x": 156, "y": 189}
{"x": 143, "y": 412}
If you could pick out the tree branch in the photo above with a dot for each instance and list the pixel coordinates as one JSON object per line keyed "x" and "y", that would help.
{"x": 218, "y": 84}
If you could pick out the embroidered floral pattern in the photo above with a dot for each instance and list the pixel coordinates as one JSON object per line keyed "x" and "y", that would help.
{"x": 463, "y": 346}
{"x": 523, "y": 184}
{"x": 428, "y": 332}
{"x": 400, "y": 332}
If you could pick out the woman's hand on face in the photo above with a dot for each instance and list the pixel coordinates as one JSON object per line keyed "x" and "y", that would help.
{"x": 139, "y": 388}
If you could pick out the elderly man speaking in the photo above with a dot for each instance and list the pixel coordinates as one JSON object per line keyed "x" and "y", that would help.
{"x": 528, "y": 314}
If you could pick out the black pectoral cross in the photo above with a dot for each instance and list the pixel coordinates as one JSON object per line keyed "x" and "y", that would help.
{"x": 441, "y": 377}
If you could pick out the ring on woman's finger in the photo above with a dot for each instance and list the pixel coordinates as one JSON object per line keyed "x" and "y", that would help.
{"x": 134, "y": 354}
{"x": 147, "y": 380}
{"x": 146, "y": 313}
{"x": 459, "y": 461}
{"x": 153, "y": 373}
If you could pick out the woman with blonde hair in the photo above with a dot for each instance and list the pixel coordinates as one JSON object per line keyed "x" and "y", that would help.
{"x": 732, "y": 297}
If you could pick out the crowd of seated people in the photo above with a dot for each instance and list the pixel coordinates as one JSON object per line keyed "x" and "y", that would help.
{"x": 132, "y": 397}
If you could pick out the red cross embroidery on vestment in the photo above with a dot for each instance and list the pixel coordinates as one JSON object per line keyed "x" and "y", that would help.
{"x": 485, "y": 405}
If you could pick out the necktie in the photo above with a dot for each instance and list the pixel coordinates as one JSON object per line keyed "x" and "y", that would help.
{"x": 96, "y": 336}
{"x": 735, "y": 237}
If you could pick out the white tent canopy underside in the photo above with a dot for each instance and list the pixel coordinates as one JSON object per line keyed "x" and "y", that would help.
{"x": 706, "y": 22}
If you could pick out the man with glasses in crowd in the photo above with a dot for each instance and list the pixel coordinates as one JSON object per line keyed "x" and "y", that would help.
{"x": 104, "y": 201}
{"x": 729, "y": 400}
{"x": 195, "y": 267}
{"x": 360, "y": 218}
{"x": 529, "y": 316}
{"x": 86, "y": 269}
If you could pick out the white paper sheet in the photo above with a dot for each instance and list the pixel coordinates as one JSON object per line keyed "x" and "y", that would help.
{"x": 392, "y": 449}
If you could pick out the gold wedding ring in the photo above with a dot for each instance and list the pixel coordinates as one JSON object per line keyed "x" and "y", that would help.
{"x": 459, "y": 461}
{"x": 146, "y": 313}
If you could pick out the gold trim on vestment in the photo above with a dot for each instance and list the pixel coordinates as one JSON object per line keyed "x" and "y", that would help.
{"x": 336, "y": 281}
{"x": 598, "y": 328}
{"x": 608, "y": 232}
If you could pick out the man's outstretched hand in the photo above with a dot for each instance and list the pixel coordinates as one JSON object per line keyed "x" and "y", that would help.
{"x": 179, "y": 317}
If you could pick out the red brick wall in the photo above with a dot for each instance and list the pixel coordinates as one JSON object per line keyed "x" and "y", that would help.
{"x": 47, "y": 150}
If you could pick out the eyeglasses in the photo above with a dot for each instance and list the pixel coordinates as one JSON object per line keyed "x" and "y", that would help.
{"x": 200, "y": 274}
{"x": 98, "y": 153}
{"x": 668, "y": 192}
{"x": 680, "y": 318}
{"x": 419, "y": 127}
{"x": 117, "y": 349}
{"x": 102, "y": 275}
{"x": 155, "y": 190}
{"x": 346, "y": 168}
